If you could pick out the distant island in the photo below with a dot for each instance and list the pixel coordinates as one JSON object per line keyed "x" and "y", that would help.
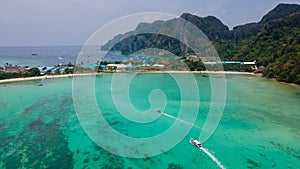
{"x": 273, "y": 42}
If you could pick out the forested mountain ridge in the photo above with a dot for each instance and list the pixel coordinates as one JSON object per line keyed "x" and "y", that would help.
{"x": 274, "y": 41}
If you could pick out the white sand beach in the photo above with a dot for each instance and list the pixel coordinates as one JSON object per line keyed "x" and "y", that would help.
{"x": 43, "y": 77}
{"x": 88, "y": 74}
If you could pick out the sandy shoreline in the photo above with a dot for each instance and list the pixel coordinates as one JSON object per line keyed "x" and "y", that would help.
{"x": 214, "y": 72}
{"x": 88, "y": 74}
{"x": 43, "y": 77}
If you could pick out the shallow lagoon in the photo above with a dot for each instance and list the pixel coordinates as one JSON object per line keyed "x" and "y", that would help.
{"x": 259, "y": 128}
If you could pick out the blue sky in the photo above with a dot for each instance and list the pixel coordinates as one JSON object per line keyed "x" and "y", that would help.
{"x": 72, "y": 22}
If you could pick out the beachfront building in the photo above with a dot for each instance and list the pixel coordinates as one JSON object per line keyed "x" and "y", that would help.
{"x": 61, "y": 69}
{"x": 116, "y": 67}
{"x": 43, "y": 70}
{"x": 260, "y": 69}
{"x": 231, "y": 65}
{"x": 159, "y": 66}
{"x": 193, "y": 58}
{"x": 13, "y": 68}
{"x": 120, "y": 67}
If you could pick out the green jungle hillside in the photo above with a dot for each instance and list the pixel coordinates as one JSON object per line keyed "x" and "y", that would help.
{"x": 274, "y": 41}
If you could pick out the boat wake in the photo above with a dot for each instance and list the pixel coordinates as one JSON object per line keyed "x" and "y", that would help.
{"x": 182, "y": 121}
{"x": 212, "y": 157}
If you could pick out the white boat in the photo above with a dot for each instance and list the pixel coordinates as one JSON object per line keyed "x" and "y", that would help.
{"x": 195, "y": 142}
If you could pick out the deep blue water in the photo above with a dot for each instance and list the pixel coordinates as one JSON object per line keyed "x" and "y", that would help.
{"x": 39, "y": 56}
{"x": 53, "y": 55}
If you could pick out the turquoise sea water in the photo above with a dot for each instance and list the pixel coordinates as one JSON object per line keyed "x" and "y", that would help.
{"x": 259, "y": 128}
